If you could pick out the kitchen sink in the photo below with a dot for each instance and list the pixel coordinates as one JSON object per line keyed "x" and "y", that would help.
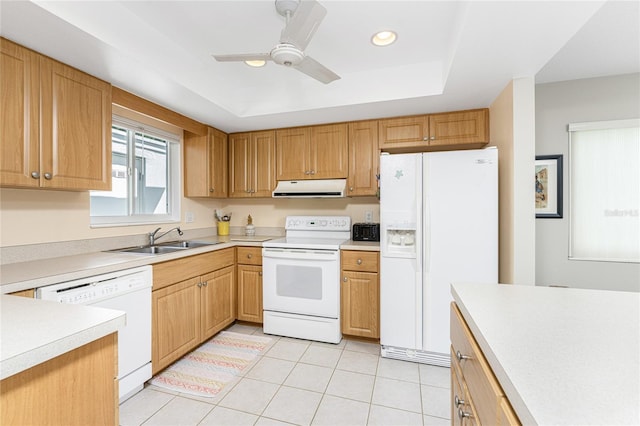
{"x": 164, "y": 248}
{"x": 185, "y": 244}
{"x": 150, "y": 249}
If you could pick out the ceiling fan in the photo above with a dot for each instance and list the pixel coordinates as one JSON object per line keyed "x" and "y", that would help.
{"x": 302, "y": 19}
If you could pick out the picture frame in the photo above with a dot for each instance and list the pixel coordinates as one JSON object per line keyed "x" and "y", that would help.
{"x": 548, "y": 183}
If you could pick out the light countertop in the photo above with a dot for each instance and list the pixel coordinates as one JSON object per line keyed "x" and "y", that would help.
{"x": 563, "y": 356}
{"x": 34, "y": 331}
{"x": 361, "y": 245}
{"x": 38, "y": 273}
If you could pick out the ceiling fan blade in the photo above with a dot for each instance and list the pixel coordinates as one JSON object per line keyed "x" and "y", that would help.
{"x": 243, "y": 57}
{"x": 303, "y": 24}
{"x": 315, "y": 69}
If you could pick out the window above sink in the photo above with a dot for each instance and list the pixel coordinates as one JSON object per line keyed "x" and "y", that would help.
{"x": 145, "y": 177}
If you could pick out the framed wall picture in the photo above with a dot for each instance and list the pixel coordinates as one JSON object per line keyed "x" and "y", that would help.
{"x": 548, "y": 186}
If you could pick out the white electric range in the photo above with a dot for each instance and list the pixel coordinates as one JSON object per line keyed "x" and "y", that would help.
{"x": 301, "y": 278}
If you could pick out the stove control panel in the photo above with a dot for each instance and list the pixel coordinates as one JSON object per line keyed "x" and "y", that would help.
{"x": 318, "y": 223}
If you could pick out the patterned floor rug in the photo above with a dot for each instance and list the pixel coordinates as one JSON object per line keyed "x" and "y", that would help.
{"x": 206, "y": 370}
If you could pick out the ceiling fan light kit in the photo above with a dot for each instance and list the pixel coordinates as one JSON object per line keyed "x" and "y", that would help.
{"x": 302, "y": 20}
{"x": 257, "y": 63}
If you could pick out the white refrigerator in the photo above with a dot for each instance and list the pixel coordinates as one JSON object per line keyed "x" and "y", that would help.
{"x": 438, "y": 225}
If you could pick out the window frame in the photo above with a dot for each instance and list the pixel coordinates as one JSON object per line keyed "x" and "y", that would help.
{"x": 174, "y": 188}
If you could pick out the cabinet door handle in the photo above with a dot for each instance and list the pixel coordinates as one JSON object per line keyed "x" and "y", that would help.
{"x": 260, "y": 273}
{"x": 35, "y": 175}
{"x": 313, "y": 172}
{"x": 199, "y": 285}
{"x": 433, "y": 138}
{"x": 463, "y": 414}
{"x": 211, "y": 190}
{"x": 359, "y": 261}
{"x": 307, "y": 172}
{"x": 344, "y": 279}
{"x": 47, "y": 176}
{"x": 248, "y": 191}
{"x": 426, "y": 138}
{"x": 205, "y": 283}
{"x": 351, "y": 188}
{"x": 461, "y": 357}
{"x": 458, "y": 401}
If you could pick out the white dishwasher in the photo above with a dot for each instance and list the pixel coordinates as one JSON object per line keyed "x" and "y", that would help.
{"x": 129, "y": 291}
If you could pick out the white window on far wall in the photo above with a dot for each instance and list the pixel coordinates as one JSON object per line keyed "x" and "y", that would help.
{"x": 604, "y": 191}
{"x": 144, "y": 177}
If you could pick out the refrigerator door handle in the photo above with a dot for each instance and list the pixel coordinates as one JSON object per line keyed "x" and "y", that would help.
{"x": 426, "y": 214}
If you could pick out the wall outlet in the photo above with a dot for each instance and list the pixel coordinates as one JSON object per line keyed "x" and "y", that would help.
{"x": 189, "y": 217}
{"x": 368, "y": 216}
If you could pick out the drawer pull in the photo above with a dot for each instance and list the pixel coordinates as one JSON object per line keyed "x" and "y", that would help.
{"x": 359, "y": 261}
{"x": 461, "y": 357}
{"x": 458, "y": 401}
{"x": 249, "y": 256}
{"x": 463, "y": 414}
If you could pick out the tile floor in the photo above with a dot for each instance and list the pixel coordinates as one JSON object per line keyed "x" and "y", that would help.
{"x": 301, "y": 382}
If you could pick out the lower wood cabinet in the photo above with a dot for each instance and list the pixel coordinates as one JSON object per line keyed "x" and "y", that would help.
{"x": 79, "y": 387}
{"x": 24, "y": 293}
{"x": 360, "y": 294}
{"x": 250, "y": 284}
{"x": 476, "y": 395}
{"x": 188, "y": 312}
{"x": 217, "y": 301}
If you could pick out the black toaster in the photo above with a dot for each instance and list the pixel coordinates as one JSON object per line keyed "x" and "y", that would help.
{"x": 366, "y": 232}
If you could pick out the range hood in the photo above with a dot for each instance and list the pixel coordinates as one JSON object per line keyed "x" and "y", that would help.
{"x": 321, "y": 188}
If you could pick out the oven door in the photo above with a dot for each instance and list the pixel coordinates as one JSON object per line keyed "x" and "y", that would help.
{"x": 301, "y": 281}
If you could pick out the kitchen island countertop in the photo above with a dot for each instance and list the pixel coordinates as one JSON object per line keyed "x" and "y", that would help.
{"x": 34, "y": 331}
{"x": 563, "y": 356}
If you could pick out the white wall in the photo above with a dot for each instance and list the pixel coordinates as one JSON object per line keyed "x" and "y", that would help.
{"x": 43, "y": 216}
{"x": 558, "y": 104}
{"x": 513, "y": 132}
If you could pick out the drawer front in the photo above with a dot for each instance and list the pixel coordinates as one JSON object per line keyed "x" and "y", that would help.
{"x": 174, "y": 271}
{"x": 476, "y": 373}
{"x": 250, "y": 255}
{"x": 359, "y": 261}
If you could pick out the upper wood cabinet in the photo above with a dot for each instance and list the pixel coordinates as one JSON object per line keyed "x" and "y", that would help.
{"x": 464, "y": 129}
{"x": 55, "y": 124}
{"x": 403, "y": 132}
{"x": 319, "y": 152}
{"x": 252, "y": 164}
{"x": 205, "y": 164}
{"x": 459, "y": 128}
{"x": 364, "y": 158}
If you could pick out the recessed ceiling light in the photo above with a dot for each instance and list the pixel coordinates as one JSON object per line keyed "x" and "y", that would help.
{"x": 257, "y": 64}
{"x": 384, "y": 38}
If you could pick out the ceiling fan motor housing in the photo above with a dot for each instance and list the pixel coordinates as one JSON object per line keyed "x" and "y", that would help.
{"x": 287, "y": 54}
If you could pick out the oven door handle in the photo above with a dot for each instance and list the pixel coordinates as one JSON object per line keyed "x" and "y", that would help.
{"x": 300, "y": 254}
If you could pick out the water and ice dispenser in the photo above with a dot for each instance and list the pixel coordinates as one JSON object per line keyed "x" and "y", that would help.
{"x": 401, "y": 240}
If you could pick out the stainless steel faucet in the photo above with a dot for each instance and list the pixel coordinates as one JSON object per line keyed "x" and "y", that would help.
{"x": 153, "y": 237}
